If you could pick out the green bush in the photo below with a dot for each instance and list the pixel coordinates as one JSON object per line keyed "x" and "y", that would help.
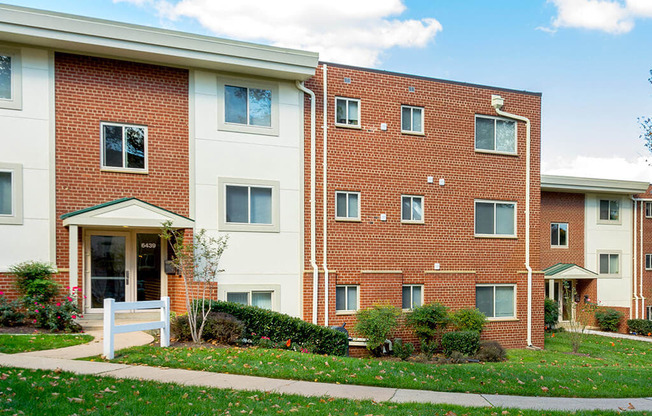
{"x": 608, "y": 319}
{"x": 428, "y": 321}
{"x": 429, "y": 348}
{"x": 465, "y": 342}
{"x": 34, "y": 280}
{"x": 551, "y": 313}
{"x": 59, "y": 316}
{"x": 403, "y": 350}
{"x": 280, "y": 327}
{"x": 222, "y": 327}
{"x": 468, "y": 319}
{"x": 375, "y": 324}
{"x": 10, "y": 314}
{"x": 491, "y": 352}
{"x": 639, "y": 326}
{"x": 180, "y": 328}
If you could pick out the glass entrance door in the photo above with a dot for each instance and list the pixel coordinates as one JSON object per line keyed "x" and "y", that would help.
{"x": 108, "y": 267}
{"x": 148, "y": 267}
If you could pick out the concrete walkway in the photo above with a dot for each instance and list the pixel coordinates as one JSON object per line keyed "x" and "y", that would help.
{"x": 62, "y": 359}
{"x": 618, "y": 335}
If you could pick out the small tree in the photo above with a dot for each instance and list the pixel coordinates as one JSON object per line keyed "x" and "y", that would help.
{"x": 428, "y": 322}
{"x": 34, "y": 281}
{"x": 375, "y": 324}
{"x": 197, "y": 262}
{"x": 551, "y": 313}
{"x": 583, "y": 313}
{"x": 646, "y": 125}
{"x": 468, "y": 319}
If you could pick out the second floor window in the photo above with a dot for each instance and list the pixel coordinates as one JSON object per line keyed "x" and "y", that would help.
{"x": 248, "y": 204}
{"x": 347, "y": 205}
{"x": 411, "y": 119}
{"x": 559, "y": 234}
{"x": 124, "y": 147}
{"x": 347, "y": 112}
{"x": 609, "y": 210}
{"x": 411, "y": 208}
{"x": 248, "y": 106}
{"x": 494, "y": 134}
{"x": 609, "y": 263}
{"x": 495, "y": 218}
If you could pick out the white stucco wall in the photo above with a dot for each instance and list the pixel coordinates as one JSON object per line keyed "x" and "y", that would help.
{"x": 26, "y": 140}
{"x": 253, "y": 260}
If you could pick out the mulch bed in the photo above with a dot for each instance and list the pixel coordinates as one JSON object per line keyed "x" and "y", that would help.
{"x": 25, "y": 329}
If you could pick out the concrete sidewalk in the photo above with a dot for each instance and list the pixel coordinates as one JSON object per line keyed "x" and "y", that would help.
{"x": 618, "y": 335}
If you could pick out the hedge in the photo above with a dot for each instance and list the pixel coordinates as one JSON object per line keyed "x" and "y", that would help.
{"x": 640, "y": 326}
{"x": 466, "y": 342}
{"x": 280, "y": 327}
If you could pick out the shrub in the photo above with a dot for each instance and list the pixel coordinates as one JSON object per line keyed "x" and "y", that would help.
{"x": 223, "y": 328}
{"x": 180, "y": 328}
{"x": 465, "y": 342}
{"x": 608, "y": 319}
{"x": 280, "y": 327}
{"x": 59, "y": 316}
{"x": 428, "y": 321}
{"x": 375, "y": 324}
{"x": 429, "y": 348}
{"x": 551, "y": 313}
{"x": 639, "y": 326}
{"x": 403, "y": 350}
{"x": 34, "y": 280}
{"x": 491, "y": 351}
{"x": 10, "y": 314}
{"x": 468, "y": 319}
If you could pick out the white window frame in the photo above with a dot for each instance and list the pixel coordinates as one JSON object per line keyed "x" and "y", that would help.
{"x": 411, "y": 296}
{"x": 223, "y": 225}
{"x": 348, "y": 218}
{"x": 222, "y": 82}
{"x": 423, "y": 208}
{"x": 348, "y": 100}
{"x": 500, "y": 152}
{"x": 495, "y": 285}
{"x": 347, "y": 311}
{"x": 476, "y": 201}
{"x": 16, "y": 216}
{"x": 620, "y": 263}
{"x": 412, "y": 131}
{"x": 648, "y": 209}
{"x": 16, "y": 100}
{"x": 143, "y": 170}
{"x": 559, "y": 245}
{"x": 648, "y": 262}
{"x": 620, "y": 210}
{"x": 224, "y": 289}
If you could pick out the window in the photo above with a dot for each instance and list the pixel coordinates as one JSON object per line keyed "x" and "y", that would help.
{"x": 495, "y": 218}
{"x": 248, "y": 205}
{"x": 261, "y": 299}
{"x": 11, "y": 193}
{"x": 412, "y": 296}
{"x": 347, "y": 112}
{"x": 648, "y": 210}
{"x": 10, "y": 79}
{"x": 411, "y": 208}
{"x": 648, "y": 262}
{"x": 493, "y": 134}
{"x": 347, "y": 206}
{"x": 248, "y": 106}
{"x": 609, "y": 263}
{"x": 559, "y": 234}
{"x": 411, "y": 119}
{"x": 124, "y": 147}
{"x": 609, "y": 210}
{"x": 496, "y": 301}
{"x": 346, "y": 298}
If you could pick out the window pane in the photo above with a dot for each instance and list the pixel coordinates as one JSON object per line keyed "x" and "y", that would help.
{"x": 614, "y": 212}
{"x": 261, "y": 299}
{"x": 113, "y": 146}
{"x": 261, "y": 205}
{"x": 237, "y": 204}
{"x": 5, "y": 77}
{"x": 340, "y": 205}
{"x": 407, "y": 301}
{"x": 340, "y": 298}
{"x": 648, "y": 261}
{"x": 354, "y": 118}
{"x": 648, "y": 209}
{"x": 554, "y": 234}
{"x": 238, "y": 297}
{"x": 5, "y": 193}
{"x": 504, "y": 301}
{"x": 135, "y": 147}
{"x": 235, "y": 104}
{"x": 352, "y": 298}
{"x": 484, "y": 218}
{"x": 614, "y": 264}
{"x": 416, "y": 296}
{"x": 505, "y": 136}
{"x": 484, "y": 300}
{"x": 406, "y": 208}
{"x": 563, "y": 232}
{"x": 604, "y": 209}
{"x": 353, "y": 206}
{"x": 604, "y": 263}
{"x": 260, "y": 107}
{"x": 406, "y": 124}
{"x": 505, "y": 219}
{"x": 417, "y": 209}
{"x": 416, "y": 120}
{"x": 340, "y": 111}
{"x": 484, "y": 133}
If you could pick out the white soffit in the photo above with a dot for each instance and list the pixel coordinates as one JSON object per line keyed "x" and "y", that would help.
{"x": 581, "y": 185}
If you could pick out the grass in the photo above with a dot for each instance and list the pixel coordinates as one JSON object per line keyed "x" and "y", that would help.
{"x": 38, "y": 392}
{"x": 623, "y": 369}
{"x": 11, "y": 344}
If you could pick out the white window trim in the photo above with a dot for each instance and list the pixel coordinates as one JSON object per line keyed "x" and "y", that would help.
{"x": 352, "y": 219}
{"x": 414, "y": 132}
{"x": 648, "y": 256}
{"x": 16, "y": 100}
{"x": 567, "y": 237}
{"x": 619, "y": 221}
{"x": 495, "y": 285}
{"x": 350, "y": 126}
{"x": 223, "y": 225}
{"x": 411, "y": 286}
{"x": 423, "y": 208}
{"x": 514, "y": 153}
{"x": 144, "y": 170}
{"x": 348, "y": 311}
{"x": 246, "y": 128}
{"x": 495, "y": 235}
{"x": 648, "y": 212}
{"x": 16, "y": 216}
{"x": 223, "y": 289}
{"x": 620, "y": 263}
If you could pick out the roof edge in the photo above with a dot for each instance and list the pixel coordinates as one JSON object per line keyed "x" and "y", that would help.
{"x": 582, "y": 185}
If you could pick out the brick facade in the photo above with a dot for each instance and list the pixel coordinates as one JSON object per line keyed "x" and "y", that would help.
{"x": 643, "y": 248}
{"x": 568, "y": 208}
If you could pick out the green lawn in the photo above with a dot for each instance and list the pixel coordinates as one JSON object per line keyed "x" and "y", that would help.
{"x": 37, "y": 392}
{"x": 620, "y": 370}
{"x": 11, "y": 344}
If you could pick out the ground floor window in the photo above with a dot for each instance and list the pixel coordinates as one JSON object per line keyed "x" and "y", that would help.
{"x": 412, "y": 296}
{"x": 496, "y": 301}
{"x": 261, "y": 299}
{"x": 346, "y": 298}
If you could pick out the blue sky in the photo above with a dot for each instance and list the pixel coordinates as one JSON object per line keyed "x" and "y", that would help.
{"x": 589, "y": 58}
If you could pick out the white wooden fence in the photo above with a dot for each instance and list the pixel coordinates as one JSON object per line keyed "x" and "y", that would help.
{"x": 111, "y": 329}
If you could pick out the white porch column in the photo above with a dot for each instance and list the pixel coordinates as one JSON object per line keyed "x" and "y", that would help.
{"x": 551, "y": 288}
{"x": 73, "y": 261}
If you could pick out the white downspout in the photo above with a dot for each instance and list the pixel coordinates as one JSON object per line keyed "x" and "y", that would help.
{"x": 497, "y": 103}
{"x": 640, "y": 277}
{"x": 635, "y": 265}
{"x": 325, "y": 208}
{"x": 313, "y": 229}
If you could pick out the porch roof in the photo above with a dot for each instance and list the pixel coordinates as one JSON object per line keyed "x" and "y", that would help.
{"x": 568, "y": 271}
{"x": 126, "y": 212}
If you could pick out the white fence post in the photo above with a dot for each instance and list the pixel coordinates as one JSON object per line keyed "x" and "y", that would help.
{"x": 165, "y": 317}
{"x": 109, "y": 323}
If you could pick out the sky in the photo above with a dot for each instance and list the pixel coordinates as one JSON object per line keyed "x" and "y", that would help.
{"x": 590, "y": 59}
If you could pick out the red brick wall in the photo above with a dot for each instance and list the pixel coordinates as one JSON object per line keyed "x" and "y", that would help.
{"x": 562, "y": 207}
{"x": 646, "y": 249}
{"x": 383, "y": 165}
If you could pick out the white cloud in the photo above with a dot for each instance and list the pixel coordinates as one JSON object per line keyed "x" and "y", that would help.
{"x": 345, "y": 31}
{"x": 606, "y": 15}
{"x": 600, "y": 167}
